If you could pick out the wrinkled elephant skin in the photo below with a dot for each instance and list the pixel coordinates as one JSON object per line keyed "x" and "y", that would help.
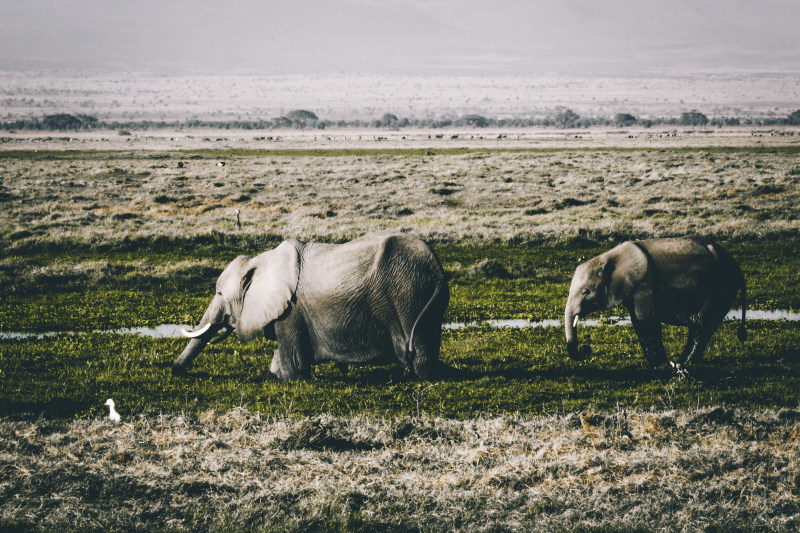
{"x": 376, "y": 299}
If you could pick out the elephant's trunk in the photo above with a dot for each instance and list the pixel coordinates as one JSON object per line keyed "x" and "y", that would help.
{"x": 209, "y": 325}
{"x": 570, "y": 321}
{"x": 184, "y": 360}
{"x": 570, "y": 329}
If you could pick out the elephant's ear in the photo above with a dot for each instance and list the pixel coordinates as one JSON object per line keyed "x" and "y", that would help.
{"x": 630, "y": 275}
{"x": 268, "y": 284}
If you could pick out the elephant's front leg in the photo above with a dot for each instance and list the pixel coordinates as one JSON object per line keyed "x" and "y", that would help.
{"x": 649, "y": 333}
{"x": 289, "y": 364}
{"x": 293, "y": 357}
{"x": 276, "y": 366}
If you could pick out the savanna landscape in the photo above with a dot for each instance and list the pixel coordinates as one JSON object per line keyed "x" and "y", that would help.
{"x": 104, "y": 233}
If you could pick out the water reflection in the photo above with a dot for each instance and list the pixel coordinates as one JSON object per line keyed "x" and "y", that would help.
{"x": 736, "y": 314}
{"x": 174, "y": 330}
{"x": 164, "y": 330}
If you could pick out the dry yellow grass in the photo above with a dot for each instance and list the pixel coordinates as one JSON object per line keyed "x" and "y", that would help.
{"x": 651, "y": 471}
{"x": 474, "y": 196}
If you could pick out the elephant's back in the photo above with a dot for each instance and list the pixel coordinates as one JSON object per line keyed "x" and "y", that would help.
{"x": 677, "y": 249}
{"x": 690, "y": 270}
{"x": 370, "y": 256}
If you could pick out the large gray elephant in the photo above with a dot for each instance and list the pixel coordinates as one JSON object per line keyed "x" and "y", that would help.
{"x": 683, "y": 282}
{"x": 376, "y": 299}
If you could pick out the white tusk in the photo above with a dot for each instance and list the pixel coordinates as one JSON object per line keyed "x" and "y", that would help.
{"x": 197, "y": 333}
{"x": 575, "y": 321}
{"x": 228, "y": 331}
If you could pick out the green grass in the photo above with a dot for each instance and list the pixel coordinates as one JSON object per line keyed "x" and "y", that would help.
{"x": 79, "y": 289}
{"x": 503, "y": 371}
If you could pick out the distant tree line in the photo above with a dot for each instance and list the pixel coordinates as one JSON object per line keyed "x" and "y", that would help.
{"x": 563, "y": 117}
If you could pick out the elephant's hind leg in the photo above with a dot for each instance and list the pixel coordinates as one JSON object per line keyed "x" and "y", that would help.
{"x": 421, "y": 360}
{"x": 424, "y": 354}
{"x": 691, "y": 343}
{"x": 424, "y": 338}
{"x": 695, "y": 349}
{"x": 708, "y": 320}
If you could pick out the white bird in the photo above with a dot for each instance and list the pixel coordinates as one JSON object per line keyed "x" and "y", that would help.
{"x": 113, "y": 415}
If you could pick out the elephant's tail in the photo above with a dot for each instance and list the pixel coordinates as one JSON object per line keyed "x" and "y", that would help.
{"x": 741, "y": 333}
{"x": 440, "y": 287}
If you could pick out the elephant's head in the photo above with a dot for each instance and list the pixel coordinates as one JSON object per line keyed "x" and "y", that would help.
{"x": 604, "y": 282}
{"x": 252, "y": 293}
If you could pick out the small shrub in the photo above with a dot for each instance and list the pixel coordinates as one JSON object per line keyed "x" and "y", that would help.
{"x": 19, "y": 235}
{"x": 164, "y": 199}
{"x": 571, "y": 202}
{"x": 324, "y": 214}
{"x": 768, "y": 189}
{"x": 535, "y": 211}
{"x": 490, "y": 268}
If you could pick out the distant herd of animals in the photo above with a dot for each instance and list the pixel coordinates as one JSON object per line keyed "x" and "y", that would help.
{"x": 381, "y": 299}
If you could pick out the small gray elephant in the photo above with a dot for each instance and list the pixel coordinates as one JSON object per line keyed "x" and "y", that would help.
{"x": 682, "y": 282}
{"x": 376, "y": 299}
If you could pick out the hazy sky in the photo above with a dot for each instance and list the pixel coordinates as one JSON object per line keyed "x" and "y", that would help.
{"x": 400, "y": 36}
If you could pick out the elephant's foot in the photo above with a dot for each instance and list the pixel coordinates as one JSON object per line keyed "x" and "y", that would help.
{"x": 445, "y": 371}
{"x": 655, "y": 354}
{"x": 579, "y": 354}
{"x": 180, "y": 370}
{"x": 423, "y": 370}
{"x": 276, "y": 367}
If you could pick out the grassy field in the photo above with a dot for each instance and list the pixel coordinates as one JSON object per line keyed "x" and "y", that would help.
{"x": 525, "y": 438}
{"x": 627, "y": 470}
{"x": 475, "y": 195}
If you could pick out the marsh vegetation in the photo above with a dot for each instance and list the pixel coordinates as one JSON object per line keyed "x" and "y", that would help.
{"x": 524, "y": 438}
